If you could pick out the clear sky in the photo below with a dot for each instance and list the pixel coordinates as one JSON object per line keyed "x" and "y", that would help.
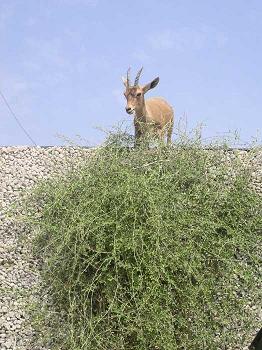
{"x": 61, "y": 63}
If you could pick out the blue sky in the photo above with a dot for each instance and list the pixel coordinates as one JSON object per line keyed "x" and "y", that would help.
{"x": 61, "y": 63}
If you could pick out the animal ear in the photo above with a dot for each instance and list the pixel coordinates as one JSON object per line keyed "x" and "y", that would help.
{"x": 150, "y": 85}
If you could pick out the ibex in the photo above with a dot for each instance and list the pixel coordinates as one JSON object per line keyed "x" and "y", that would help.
{"x": 152, "y": 116}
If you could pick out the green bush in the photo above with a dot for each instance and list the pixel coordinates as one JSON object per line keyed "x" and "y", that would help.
{"x": 149, "y": 249}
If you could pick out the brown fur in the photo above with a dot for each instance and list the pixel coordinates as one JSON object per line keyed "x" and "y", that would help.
{"x": 153, "y": 116}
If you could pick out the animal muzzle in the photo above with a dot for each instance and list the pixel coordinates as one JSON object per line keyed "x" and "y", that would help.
{"x": 129, "y": 110}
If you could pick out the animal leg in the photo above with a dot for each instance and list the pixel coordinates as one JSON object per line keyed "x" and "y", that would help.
{"x": 160, "y": 135}
{"x": 169, "y": 132}
{"x": 138, "y": 135}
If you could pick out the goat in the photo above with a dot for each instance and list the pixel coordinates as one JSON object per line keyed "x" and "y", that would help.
{"x": 152, "y": 116}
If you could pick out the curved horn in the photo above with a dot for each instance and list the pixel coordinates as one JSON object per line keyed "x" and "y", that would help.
{"x": 138, "y": 76}
{"x": 127, "y": 77}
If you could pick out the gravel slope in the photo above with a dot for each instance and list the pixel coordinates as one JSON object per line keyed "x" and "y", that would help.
{"x": 20, "y": 169}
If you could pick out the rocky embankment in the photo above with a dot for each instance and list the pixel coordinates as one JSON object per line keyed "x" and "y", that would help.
{"x": 20, "y": 169}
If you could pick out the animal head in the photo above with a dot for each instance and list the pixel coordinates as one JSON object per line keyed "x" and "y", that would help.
{"x": 135, "y": 93}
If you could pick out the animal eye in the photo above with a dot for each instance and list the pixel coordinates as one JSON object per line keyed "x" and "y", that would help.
{"x": 139, "y": 94}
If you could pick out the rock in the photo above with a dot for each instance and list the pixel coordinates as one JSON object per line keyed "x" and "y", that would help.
{"x": 21, "y": 168}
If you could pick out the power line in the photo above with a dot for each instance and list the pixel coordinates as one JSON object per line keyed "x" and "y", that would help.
{"x": 16, "y": 118}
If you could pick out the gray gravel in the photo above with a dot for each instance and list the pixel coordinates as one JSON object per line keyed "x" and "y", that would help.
{"x": 20, "y": 169}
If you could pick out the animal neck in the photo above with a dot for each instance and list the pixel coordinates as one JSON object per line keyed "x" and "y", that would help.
{"x": 141, "y": 113}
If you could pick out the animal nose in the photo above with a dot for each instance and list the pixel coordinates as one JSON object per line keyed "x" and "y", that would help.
{"x": 128, "y": 109}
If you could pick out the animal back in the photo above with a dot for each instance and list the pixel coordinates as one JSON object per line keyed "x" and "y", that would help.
{"x": 159, "y": 110}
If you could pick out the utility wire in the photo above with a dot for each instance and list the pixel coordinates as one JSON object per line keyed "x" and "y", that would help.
{"x": 17, "y": 120}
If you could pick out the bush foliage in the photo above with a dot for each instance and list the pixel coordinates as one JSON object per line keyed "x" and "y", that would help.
{"x": 149, "y": 249}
